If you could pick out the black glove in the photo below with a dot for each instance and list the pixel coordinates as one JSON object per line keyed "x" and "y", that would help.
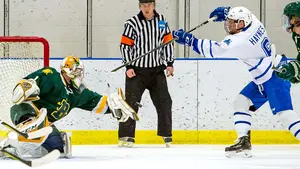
{"x": 295, "y": 80}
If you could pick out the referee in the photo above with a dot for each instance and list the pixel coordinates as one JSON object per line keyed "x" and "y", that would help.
{"x": 144, "y": 32}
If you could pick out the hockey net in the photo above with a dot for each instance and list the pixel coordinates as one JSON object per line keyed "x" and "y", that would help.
{"x": 19, "y": 56}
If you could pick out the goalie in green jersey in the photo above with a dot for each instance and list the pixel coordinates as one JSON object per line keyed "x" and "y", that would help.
{"x": 291, "y": 20}
{"x": 46, "y": 96}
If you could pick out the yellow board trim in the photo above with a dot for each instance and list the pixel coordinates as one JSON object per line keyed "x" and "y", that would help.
{"x": 95, "y": 137}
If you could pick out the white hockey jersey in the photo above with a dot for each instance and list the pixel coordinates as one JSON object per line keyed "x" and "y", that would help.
{"x": 251, "y": 45}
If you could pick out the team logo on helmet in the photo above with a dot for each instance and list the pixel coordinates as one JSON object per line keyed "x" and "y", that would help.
{"x": 74, "y": 69}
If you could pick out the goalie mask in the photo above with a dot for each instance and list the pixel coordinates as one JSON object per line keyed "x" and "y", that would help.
{"x": 235, "y": 15}
{"x": 74, "y": 69}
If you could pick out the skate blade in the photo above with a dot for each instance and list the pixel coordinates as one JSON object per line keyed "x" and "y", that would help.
{"x": 242, "y": 154}
{"x": 125, "y": 144}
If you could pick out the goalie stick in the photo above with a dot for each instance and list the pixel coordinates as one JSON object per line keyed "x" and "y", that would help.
{"x": 163, "y": 45}
{"x": 50, "y": 157}
{"x": 35, "y": 134}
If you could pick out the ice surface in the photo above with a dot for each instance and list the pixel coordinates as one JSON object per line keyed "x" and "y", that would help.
{"x": 178, "y": 156}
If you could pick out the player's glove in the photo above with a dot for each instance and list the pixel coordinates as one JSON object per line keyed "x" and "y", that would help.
{"x": 183, "y": 38}
{"x": 295, "y": 80}
{"x": 221, "y": 13}
{"x": 288, "y": 71}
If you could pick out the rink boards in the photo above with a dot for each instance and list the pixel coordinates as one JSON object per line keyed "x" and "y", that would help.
{"x": 202, "y": 92}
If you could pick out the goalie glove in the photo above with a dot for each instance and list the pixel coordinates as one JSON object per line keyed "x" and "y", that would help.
{"x": 26, "y": 90}
{"x": 120, "y": 108}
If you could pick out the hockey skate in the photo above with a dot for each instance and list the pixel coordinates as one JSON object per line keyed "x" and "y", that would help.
{"x": 168, "y": 141}
{"x": 126, "y": 142}
{"x": 243, "y": 145}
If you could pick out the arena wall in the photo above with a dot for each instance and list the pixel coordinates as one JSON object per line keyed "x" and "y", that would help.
{"x": 65, "y": 22}
{"x": 202, "y": 92}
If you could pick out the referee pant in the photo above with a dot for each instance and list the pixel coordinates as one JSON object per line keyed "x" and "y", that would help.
{"x": 153, "y": 79}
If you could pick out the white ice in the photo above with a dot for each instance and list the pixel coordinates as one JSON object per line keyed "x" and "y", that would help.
{"x": 178, "y": 156}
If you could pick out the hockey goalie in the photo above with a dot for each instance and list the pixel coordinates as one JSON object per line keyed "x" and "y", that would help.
{"x": 46, "y": 96}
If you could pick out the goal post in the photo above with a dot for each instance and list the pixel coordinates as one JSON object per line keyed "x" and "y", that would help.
{"x": 19, "y": 56}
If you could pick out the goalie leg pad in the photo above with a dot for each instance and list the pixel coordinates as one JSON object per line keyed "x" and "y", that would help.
{"x": 54, "y": 141}
{"x": 66, "y": 136}
{"x": 31, "y": 123}
{"x": 60, "y": 141}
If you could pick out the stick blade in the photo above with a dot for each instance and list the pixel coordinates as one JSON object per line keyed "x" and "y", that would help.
{"x": 273, "y": 55}
{"x": 52, "y": 156}
{"x": 273, "y": 50}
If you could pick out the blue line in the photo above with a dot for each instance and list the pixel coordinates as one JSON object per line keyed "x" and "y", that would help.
{"x": 260, "y": 61}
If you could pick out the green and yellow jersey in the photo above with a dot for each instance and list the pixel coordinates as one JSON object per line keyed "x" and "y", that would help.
{"x": 296, "y": 39}
{"x": 58, "y": 98}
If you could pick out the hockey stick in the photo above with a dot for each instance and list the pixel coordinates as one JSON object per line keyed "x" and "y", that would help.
{"x": 163, "y": 45}
{"x": 35, "y": 134}
{"x": 50, "y": 157}
{"x": 273, "y": 55}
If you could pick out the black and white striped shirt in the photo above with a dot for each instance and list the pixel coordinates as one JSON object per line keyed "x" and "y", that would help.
{"x": 141, "y": 35}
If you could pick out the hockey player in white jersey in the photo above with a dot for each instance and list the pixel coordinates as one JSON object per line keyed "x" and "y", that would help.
{"x": 248, "y": 41}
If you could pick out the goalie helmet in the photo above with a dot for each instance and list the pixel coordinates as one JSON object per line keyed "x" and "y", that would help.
{"x": 238, "y": 14}
{"x": 74, "y": 69}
